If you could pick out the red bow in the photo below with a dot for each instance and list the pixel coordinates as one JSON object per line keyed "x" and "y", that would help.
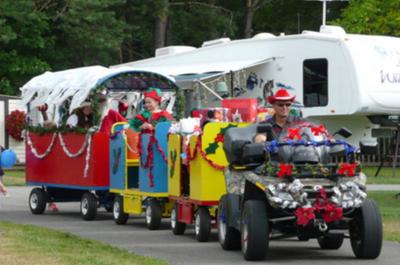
{"x": 304, "y": 215}
{"x": 319, "y": 130}
{"x": 284, "y": 170}
{"x": 347, "y": 169}
{"x": 294, "y": 133}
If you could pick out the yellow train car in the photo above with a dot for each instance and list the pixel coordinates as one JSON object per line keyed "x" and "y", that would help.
{"x": 195, "y": 178}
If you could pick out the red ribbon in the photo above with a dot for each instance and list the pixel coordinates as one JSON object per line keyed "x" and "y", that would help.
{"x": 347, "y": 169}
{"x": 328, "y": 210}
{"x": 285, "y": 170}
{"x": 319, "y": 130}
{"x": 203, "y": 154}
{"x": 294, "y": 133}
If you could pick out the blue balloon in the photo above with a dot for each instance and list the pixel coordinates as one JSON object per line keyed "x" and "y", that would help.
{"x": 8, "y": 158}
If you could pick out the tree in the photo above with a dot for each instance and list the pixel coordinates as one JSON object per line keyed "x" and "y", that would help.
{"x": 251, "y": 6}
{"x": 372, "y": 17}
{"x": 23, "y": 40}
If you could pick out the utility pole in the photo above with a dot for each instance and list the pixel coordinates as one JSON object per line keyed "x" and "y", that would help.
{"x": 324, "y": 8}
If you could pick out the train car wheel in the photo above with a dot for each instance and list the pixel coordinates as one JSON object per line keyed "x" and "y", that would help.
{"x": 88, "y": 206}
{"x": 178, "y": 228}
{"x": 202, "y": 224}
{"x": 120, "y": 217}
{"x": 37, "y": 201}
{"x": 153, "y": 215}
{"x": 228, "y": 236}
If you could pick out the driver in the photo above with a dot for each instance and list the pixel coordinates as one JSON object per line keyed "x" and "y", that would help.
{"x": 282, "y": 119}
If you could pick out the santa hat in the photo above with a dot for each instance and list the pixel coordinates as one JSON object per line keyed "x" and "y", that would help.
{"x": 281, "y": 95}
{"x": 153, "y": 93}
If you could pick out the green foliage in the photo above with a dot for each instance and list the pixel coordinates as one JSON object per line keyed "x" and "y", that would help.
{"x": 23, "y": 39}
{"x": 372, "y": 17}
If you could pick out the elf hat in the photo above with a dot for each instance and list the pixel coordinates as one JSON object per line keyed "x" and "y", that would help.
{"x": 281, "y": 95}
{"x": 153, "y": 93}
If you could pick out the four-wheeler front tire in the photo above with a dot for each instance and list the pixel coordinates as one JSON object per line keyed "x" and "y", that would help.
{"x": 331, "y": 241}
{"x": 178, "y": 228}
{"x": 88, "y": 206}
{"x": 153, "y": 214}
{"x": 202, "y": 224}
{"x": 37, "y": 201}
{"x": 254, "y": 230}
{"x": 120, "y": 217}
{"x": 228, "y": 236}
{"x": 366, "y": 231}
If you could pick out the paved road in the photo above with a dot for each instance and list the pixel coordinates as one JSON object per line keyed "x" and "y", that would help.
{"x": 177, "y": 249}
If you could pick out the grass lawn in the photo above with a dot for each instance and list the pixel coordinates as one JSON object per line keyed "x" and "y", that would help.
{"x": 14, "y": 178}
{"x": 31, "y": 245}
{"x": 390, "y": 210}
{"x": 385, "y": 175}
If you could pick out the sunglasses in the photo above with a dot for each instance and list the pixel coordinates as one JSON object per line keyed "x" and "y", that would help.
{"x": 284, "y": 104}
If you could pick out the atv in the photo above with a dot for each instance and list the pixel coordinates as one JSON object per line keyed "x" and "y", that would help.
{"x": 304, "y": 184}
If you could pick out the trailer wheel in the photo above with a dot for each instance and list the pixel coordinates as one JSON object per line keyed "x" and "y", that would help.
{"x": 37, "y": 201}
{"x": 120, "y": 217}
{"x": 88, "y": 206}
{"x": 153, "y": 215}
{"x": 331, "y": 241}
{"x": 202, "y": 224}
{"x": 178, "y": 228}
{"x": 228, "y": 236}
{"x": 254, "y": 230}
{"x": 366, "y": 231}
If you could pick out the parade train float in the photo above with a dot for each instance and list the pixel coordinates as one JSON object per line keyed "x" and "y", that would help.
{"x": 211, "y": 176}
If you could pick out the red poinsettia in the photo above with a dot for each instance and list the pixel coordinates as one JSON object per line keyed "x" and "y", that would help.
{"x": 347, "y": 169}
{"x": 305, "y": 215}
{"x": 318, "y": 130}
{"x": 294, "y": 133}
{"x": 15, "y": 123}
{"x": 284, "y": 170}
{"x": 332, "y": 213}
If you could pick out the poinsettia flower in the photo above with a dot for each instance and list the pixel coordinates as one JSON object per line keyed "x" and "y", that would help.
{"x": 285, "y": 170}
{"x": 304, "y": 215}
{"x": 347, "y": 169}
{"x": 332, "y": 213}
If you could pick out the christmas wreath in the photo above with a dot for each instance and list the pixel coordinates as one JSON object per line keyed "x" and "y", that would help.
{"x": 15, "y": 124}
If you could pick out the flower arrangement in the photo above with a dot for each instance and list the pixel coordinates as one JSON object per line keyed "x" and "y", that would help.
{"x": 15, "y": 124}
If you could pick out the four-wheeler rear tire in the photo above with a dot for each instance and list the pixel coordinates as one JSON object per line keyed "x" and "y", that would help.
{"x": 228, "y": 236}
{"x": 178, "y": 228}
{"x": 153, "y": 214}
{"x": 331, "y": 241}
{"x": 120, "y": 217}
{"x": 88, "y": 206}
{"x": 202, "y": 224}
{"x": 254, "y": 230}
{"x": 366, "y": 231}
{"x": 37, "y": 201}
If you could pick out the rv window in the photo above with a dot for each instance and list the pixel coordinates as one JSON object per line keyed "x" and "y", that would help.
{"x": 315, "y": 82}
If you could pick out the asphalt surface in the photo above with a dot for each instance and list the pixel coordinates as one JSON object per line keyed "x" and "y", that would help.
{"x": 178, "y": 249}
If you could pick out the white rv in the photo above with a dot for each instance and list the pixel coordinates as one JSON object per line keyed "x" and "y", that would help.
{"x": 341, "y": 79}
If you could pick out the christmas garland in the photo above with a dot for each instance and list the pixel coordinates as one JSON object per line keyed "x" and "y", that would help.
{"x": 149, "y": 163}
{"x": 86, "y": 145}
{"x": 15, "y": 124}
{"x": 282, "y": 170}
{"x": 198, "y": 148}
